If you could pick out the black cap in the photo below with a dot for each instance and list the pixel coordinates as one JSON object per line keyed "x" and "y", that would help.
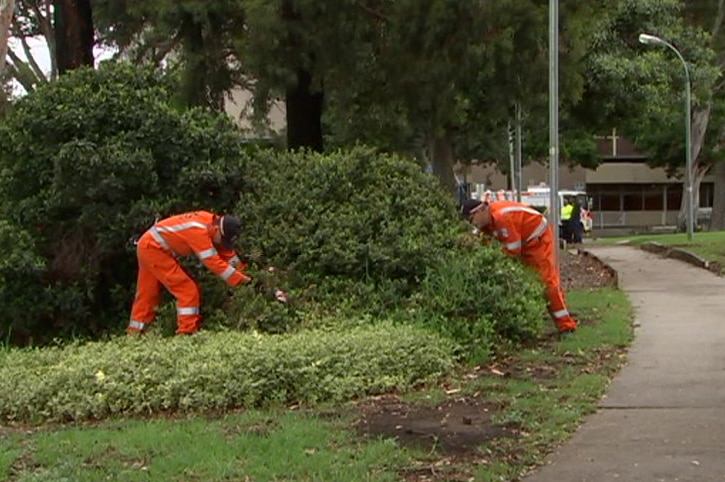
{"x": 468, "y": 206}
{"x": 230, "y": 228}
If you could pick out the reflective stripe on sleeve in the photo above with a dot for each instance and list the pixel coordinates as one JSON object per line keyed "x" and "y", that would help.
{"x": 560, "y": 313}
{"x": 513, "y": 246}
{"x": 207, "y": 253}
{"x": 539, "y": 230}
{"x": 193, "y": 310}
{"x": 181, "y": 227}
{"x": 228, "y": 273}
{"x": 160, "y": 239}
{"x": 235, "y": 260}
{"x": 136, "y": 325}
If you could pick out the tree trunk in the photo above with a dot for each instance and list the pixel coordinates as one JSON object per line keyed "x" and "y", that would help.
{"x": 7, "y": 7}
{"x": 700, "y": 121}
{"x": 203, "y": 83}
{"x": 304, "y": 114}
{"x": 442, "y": 161}
{"x": 303, "y": 100}
{"x": 73, "y": 34}
{"x": 700, "y": 171}
{"x": 193, "y": 88}
{"x": 717, "y": 220}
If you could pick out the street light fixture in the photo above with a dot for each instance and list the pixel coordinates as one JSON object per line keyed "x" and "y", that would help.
{"x": 647, "y": 39}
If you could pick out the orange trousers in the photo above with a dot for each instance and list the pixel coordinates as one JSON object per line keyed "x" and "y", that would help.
{"x": 539, "y": 254}
{"x": 157, "y": 267}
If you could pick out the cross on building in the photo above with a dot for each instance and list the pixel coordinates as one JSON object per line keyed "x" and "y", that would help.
{"x": 613, "y": 138}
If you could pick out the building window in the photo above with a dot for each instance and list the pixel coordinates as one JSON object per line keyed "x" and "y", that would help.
{"x": 632, "y": 198}
{"x": 707, "y": 194}
{"x": 605, "y": 197}
{"x": 654, "y": 197}
{"x": 635, "y": 197}
{"x": 674, "y": 197}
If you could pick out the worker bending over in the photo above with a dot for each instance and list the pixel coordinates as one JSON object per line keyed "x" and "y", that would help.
{"x": 525, "y": 233}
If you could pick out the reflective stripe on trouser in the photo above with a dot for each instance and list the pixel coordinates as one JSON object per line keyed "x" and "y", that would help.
{"x": 538, "y": 254}
{"x": 156, "y": 267}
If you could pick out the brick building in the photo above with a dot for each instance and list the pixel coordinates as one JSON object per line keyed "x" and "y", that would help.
{"x": 625, "y": 191}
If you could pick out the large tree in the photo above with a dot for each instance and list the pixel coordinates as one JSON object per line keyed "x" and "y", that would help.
{"x": 640, "y": 89}
{"x": 33, "y": 20}
{"x": 708, "y": 124}
{"x": 455, "y": 70}
{"x": 201, "y": 39}
{"x": 66, "y": 27}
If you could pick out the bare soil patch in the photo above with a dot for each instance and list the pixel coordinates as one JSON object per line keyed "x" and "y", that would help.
{"x": 457, "y": 427}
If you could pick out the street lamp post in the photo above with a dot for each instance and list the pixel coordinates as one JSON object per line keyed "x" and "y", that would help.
{"x": 690, "y": 206}
{"x": 554, "y": 210}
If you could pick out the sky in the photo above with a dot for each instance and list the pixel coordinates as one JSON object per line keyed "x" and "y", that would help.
{"x": 41, "y": 54}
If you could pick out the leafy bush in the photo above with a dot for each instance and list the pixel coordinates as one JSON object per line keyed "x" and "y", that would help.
{"x": 478, "y": 295}
{"x": 87, "y": 162}
{"x": 211, "y": 371}
{"x": 357, "y": 214}
{"x": 20, "y": 273}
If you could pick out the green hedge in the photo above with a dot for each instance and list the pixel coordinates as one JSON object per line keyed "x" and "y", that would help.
{"x": 215, "y": 371}
{"x": 90, "y": 160}
{"x": 358, "y": 214}
{"x": 479, "y": 296}
{"x": 86, "y": 163}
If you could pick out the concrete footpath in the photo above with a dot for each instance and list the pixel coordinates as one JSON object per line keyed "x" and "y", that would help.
{"x": 663, "y": 417}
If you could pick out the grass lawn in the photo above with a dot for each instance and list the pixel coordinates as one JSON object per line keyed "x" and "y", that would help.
{"x": 708, "y": 245}
{"x": 532, "y": 397}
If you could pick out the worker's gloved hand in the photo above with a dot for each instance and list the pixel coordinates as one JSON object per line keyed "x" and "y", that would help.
{"x": 280, "y": 296}
{"x": 257, "y": 284}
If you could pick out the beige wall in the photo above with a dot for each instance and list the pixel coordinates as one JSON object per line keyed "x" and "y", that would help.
{"x": 609, "y": 173}
{"x": 533, "y": 174}
{"x": 614, "y": 173}
{"x": 628, "y": 172}
{"x": 238, "y": 106}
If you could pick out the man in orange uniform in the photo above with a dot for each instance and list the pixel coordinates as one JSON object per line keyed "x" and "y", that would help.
{"x": 524, "y": 232}
{"x": 210, "y": 237}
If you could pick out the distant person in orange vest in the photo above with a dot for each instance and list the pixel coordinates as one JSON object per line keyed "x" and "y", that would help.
{"x": 525, "y": 233}
{"x": 211, "y": 238}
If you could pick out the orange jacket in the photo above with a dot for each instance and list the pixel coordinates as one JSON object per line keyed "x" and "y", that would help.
{"x": 515, "y": 225}
{"x": 192, "y": 232}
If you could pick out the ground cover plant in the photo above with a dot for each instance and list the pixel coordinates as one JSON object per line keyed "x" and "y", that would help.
{"x": 215, "y": 371}
{"x": 488, "y": 422}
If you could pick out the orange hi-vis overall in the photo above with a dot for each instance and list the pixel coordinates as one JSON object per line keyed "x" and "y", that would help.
{"x": 525, "y": 232}
{"x": 158, "y": 251}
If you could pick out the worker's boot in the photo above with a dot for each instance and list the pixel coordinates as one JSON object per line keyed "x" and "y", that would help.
{"x": 566, "y": 325}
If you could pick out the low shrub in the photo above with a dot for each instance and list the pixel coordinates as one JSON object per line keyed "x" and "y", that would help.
{"x": 215, "y": 371}
{"x": 86, "y": 163}
{"x": 356, "y": 214}
{"x": 477, "y": 295}
{"x": 20, "y": 272}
